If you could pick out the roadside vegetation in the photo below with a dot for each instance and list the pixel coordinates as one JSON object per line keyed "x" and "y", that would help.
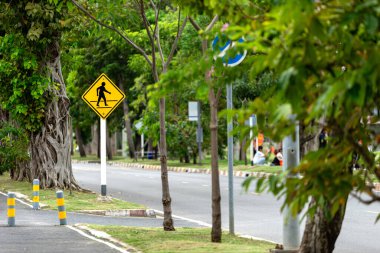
{"x": 74, "y": 200}
{"x": 187, "y": 240}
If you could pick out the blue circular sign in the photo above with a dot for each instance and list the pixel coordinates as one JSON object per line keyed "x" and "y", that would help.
{"x": 230, "y": 61}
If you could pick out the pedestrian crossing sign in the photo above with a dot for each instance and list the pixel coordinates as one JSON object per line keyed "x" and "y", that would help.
{"x": 103, "y": 96}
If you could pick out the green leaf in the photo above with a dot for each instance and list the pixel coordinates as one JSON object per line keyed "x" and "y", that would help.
{"x": 371, "y": 23}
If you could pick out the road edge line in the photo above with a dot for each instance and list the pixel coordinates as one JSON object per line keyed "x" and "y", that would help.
{"x": 19, "y": 200}
{"x": 109, "y": 244}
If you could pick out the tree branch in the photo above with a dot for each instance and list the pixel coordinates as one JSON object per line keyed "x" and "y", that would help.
{"x": 374, "y": 198}
{"x": 194, "y": 24}
{"x": 151, "y": 39}
{"x": 156, "y": 32}
{"x": 212, "y": 23}
{"x": 175, "y": 44}
{"x": 128, "y": 40}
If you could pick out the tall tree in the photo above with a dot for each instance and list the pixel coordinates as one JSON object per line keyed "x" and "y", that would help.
{"x": 34, "y": 91}
{"x": 213, "y": 97}
{"x": 158, "y": 64}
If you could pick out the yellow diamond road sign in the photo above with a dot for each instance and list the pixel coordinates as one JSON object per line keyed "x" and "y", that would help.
{"x": 103, "y": 96}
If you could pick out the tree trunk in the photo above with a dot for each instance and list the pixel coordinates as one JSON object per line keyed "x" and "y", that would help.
{"x": 50, "y": 147}
{"x": 79, "y": 138}
{"x": 71, "y": 140}
{"x": 243, "y": 155}
{"x": 128, "y": 127}
{"x": 98, "y": 138}
{"x": 4, "y": 116}
{"x": 187, "y": 157}
{"x": 216, "y": 232}
{"x": 166, "y": 199}
{"x": 108, "y": 145}
{"x": 320, "y": 234}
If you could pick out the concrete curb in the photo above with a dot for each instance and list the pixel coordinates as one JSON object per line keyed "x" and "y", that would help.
{"x": 150, "y": 213}
{"x": 182, "y": 169}
{"x": 103, "y": 237}
{"x": 122, "y": 213}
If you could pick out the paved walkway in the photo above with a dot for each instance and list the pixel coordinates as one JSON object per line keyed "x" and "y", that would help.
{"x": 39, "y": 231}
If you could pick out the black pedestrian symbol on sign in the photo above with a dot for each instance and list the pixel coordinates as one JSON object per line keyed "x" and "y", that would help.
{"x": 100, "y": 93}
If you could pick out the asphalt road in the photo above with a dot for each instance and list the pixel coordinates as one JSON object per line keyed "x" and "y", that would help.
{"x": 255, "y": 215}
{"x": 39, "y": 231}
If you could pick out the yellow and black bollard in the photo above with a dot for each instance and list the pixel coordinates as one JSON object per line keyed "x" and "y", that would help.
{"x": 61, "y": 208}
{"x": 11, "y": 209}
{"x": 36, "y": 194}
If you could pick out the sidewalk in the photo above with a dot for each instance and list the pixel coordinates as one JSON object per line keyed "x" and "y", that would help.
{"x": 39, "y": 231}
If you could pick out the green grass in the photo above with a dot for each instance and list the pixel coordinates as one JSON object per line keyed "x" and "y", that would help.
{"x": 75, "y": 201}
{"x": 206, "y": 164}
{"x": 188, "y": 240}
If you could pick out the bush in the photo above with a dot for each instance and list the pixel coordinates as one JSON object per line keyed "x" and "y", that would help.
{"x": 13, "y": 147}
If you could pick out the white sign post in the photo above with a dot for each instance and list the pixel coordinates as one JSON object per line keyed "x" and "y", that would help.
{"x": 252, "y": 123}
{"x": 103, "y": 96}
{"x": 103, "y": 158}
{"x": 138, "y": 126}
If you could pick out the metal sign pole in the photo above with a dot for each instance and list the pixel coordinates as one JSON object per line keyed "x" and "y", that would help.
{"x": 200, "y": 134}
{"x": 291, "y": 227}
{"x": 230, "y": 162}
{"x": 251, "y": 140}
{"x": 103, "y": 153}
{"x": 142, "y": 146}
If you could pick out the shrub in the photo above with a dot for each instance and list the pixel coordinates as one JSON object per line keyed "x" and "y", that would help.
{"x": 13, "y": 147}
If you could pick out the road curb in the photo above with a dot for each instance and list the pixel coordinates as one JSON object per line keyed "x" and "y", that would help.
{"x": 182, "y": 169}
{"x": 122, "y": 213}
{"x": 104, "y": 238}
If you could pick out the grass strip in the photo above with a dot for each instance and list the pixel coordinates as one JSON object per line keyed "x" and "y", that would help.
{"x": 74, "y": 201}
{"x": 188, "y": 240}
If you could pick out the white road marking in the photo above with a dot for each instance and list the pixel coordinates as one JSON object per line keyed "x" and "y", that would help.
{"x": 255, "y": 193}
{"x": 205, "y": 185}
{"x": 183, "y": 182}
{"x": 373, "y": 212}
{"x": 186, "y": 219}
{"x": 98, "y": 240}
{"x": 19, "y": 200}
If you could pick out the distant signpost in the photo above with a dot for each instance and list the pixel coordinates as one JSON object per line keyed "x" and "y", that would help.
{"x": 229, "y": 61}
{"x": 103, "y": 96}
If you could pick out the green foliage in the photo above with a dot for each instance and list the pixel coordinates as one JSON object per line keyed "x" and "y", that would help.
{"x": 27, "y": 30}
{"x": 324, "y": 55}
{"x": 24, "y": 88}
{"x": 13, "y": 147}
